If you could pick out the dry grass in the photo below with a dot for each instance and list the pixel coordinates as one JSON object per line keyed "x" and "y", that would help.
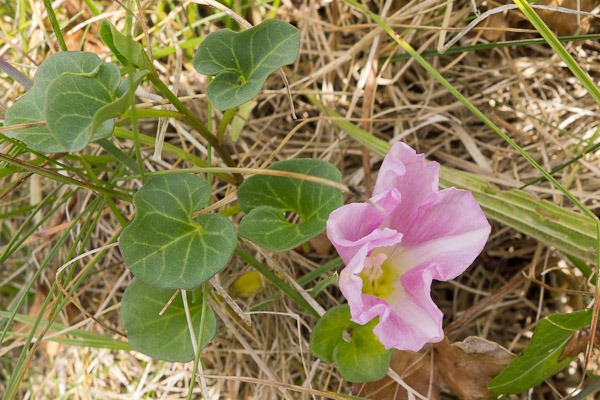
{"x": 527, "y": 91}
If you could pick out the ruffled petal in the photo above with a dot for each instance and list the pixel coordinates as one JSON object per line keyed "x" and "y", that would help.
{"x": 448, "y": 233}
{"x": 352, "y": 226}
{"x": 408, "y": 172}
{"x": 351, "y": 284}
{"x": 408, "y": 323}
{"x": 414, "y": 320}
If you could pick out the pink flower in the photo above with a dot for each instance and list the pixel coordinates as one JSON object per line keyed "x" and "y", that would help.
{"x": 394, "y": 246}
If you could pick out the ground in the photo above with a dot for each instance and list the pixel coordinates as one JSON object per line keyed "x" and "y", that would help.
{"x": 348, "y": 64}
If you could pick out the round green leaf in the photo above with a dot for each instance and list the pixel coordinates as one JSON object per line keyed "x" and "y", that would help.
{"x": 166, "y": 336}
{"x": 328, "y": 332}
{"x": 361, "y": 359}
{"x": 242, "y": 61}
{"x": 267, "y": 199}
{"x": 69, "y": 92}
{"x": 164, "y": 246}
{"x": 72, "y": 100}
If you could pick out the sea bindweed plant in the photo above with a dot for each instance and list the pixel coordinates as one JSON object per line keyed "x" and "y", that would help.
{"x": 394, "y": 246}
{"x": 170, "y": 245}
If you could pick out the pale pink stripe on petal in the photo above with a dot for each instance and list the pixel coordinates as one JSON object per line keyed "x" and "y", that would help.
{"x": 354, "y": 225}
{"x": 448, "y": 233}
{"x": 351, "y": 285}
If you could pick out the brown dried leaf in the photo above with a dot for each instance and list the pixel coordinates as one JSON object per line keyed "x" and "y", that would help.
{"x": 468, "y": 366}
{"x": 76, "y": 41}
{"x": 567, "y": 24}
{"x": 462, "y": 369}
{"x": 496, "y": 25}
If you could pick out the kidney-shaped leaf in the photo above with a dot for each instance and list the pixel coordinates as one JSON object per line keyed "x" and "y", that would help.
{"x": 69, "y": 90}
{"x": 164, "y": 246}
{"x": 267, "y": 199}
{"x": 242, "y": 61}
{"x": 166, "y": 336}
{"x": 361, "y": 359}
{"x": 542, "y": 358}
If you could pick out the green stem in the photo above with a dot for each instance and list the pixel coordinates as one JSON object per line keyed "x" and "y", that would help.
{"x": 590, "y": 149}
{"x": 193, "y": 121}
{"x": 227, "y": 117}
{"x": 152, "y": 113}
{"x": 90, "y": 172}
{"x": 119, "y": 155}
{"x": 270, "y": 275}
{"x": 333, "y": 264}
{"x": 559, "y": 49}
{"x": 487, "y": 46}
{"x": 92, "y": 7}
{"x": 169, "y": 148}
{"x": 55, "y": 26}
{"x": 136, "y": 133}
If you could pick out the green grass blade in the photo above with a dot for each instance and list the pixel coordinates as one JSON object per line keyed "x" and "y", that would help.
{"x": 55, "y": 176}
{"x": 171, "y": 149}
{"x": 77, "y": 337}
{"x": 559, "y": 49}
{"x": 275, "y": 280}
{"x": 470, "y": 106}
{"x": 55, "y": 25}
{"x": 488, "y": 46}
{"x": 24, "y": 359}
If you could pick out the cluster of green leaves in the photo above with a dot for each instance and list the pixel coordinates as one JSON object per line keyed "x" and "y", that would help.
{"x": 167, "y": 249}
{"x": 74, "y": 100}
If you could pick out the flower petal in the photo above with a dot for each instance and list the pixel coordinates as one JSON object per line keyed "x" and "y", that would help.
{"x": 411, "y": 321}
{"x": 448, "y": 233}
{"x": 409, "y": 173}
{"x": 354, "y": 225}
{"x": 414, "y": 320}
{"x": 351, "y": 284}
